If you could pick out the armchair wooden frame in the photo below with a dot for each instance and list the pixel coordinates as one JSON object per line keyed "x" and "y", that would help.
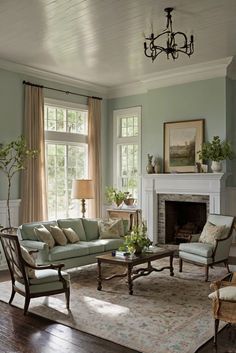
{"x": 222, "y": 309}
{"x": 207, "y": 266}
{"x": 17, "y": 266}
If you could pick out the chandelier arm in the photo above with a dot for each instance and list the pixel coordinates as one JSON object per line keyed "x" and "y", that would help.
{"x": 152, "y": 50}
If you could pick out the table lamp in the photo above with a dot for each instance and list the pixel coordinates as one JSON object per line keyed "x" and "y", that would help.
{"x": 83, "y": 189}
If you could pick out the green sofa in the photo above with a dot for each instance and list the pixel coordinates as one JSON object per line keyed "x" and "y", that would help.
{"x": 71, "y": 255}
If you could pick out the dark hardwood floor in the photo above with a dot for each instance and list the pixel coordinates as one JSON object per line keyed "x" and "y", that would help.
{"x": 32, "y": 333}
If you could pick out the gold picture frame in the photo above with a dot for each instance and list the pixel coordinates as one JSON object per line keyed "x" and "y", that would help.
{"x": 182, "y": 141}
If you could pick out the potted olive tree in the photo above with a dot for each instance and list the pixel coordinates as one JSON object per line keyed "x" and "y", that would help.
{"x": 13, "y": 157}
{"x": 216, "y": 151}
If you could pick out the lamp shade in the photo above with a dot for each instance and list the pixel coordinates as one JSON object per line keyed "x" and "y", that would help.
{"x": 82, "y": 189}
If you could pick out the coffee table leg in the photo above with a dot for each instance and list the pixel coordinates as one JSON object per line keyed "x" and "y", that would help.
{"x": 171, "y": 266}
{"x": 129, "y": 277}
{"x": 99, "y": 278}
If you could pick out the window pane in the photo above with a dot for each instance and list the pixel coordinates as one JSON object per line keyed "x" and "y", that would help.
{"x": 66, "y": 120}
{"x": 64, "y": 163}
{"x": 129, "y": 168}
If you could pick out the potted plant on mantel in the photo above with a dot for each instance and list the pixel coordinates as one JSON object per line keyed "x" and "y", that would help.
{"x": 216, "y": 151}
{"x": 13, "y": 157}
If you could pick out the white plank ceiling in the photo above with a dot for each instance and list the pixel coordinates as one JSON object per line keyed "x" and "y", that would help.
{"x": 101, "y": 41}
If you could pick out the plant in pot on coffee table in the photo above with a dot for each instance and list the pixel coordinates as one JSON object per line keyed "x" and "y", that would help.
{"x": 137, "y": 241}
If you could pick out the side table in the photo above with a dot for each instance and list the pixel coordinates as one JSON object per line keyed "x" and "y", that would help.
{"x": 133, "y": 215}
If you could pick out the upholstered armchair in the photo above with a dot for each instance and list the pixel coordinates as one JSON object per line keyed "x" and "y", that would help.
{"x": 213, "y": 245}
{"x": 224, "y": 301}
{"x": 30, "y": 280}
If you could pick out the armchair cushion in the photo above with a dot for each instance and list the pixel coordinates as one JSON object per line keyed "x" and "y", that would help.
{"x": 226, "y": 293}
{"x": 48, "y": 276}
{"x": 200, "y": 249}
{"x": 29, "y": 259}
{"x": 211, "y": 232}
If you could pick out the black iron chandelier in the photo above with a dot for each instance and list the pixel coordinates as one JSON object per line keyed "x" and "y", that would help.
{"x": 176, "y": 42}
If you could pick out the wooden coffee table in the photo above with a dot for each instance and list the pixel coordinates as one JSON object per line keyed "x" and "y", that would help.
{"x": 129, "y": 263}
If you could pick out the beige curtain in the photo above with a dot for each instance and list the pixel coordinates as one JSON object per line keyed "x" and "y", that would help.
{"x": 94, "y": 152}
{"x": 33, "y": 183}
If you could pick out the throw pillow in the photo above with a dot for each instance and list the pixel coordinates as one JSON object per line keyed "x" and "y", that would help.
{"x": 111, "y": 229}
{"x": 71, "y": 235}
{"x": 45, "y": 236}
{"x": 58, "y": 235}
{"x": 211, "y": 232}
{"x": 29, "y": 259}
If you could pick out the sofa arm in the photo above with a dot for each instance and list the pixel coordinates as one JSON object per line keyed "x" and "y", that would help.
{"x": 43, "y": 249}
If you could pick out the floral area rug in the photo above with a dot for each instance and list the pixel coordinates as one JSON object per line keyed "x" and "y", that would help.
{"x": 164, "y": 315}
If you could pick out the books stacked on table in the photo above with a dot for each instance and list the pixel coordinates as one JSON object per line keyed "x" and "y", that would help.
{"x": 121, "y": 254}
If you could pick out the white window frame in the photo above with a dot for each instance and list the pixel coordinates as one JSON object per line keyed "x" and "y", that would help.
{"x": 117, "y": 141}
{"x": 67, "y": 137}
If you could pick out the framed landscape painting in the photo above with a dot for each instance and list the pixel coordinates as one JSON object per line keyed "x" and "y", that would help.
{"x": 182, "y": 141}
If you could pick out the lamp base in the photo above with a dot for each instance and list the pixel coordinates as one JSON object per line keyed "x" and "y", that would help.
{"x": 83, "y": 208}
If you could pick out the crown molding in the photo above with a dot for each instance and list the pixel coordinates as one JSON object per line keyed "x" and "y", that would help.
{"x": 54, "y": 77}
{"x": 186, "y": 74}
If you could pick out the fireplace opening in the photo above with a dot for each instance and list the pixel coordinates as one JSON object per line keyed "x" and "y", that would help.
{"x": 182, "y": 219}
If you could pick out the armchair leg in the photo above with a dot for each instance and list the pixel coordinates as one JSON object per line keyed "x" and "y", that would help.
{"x": 180, "y": 265}
{"x": 206, "y": 273}
{"x": 27, "y": 301}
{"x": 227, "y": 265}
{"x": 216, "y": 331}
{"x": 12, "y": 295}
{"x": 67, "y": 293}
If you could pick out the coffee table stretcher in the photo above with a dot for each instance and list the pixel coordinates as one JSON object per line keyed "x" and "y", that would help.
{"x": 131, "y": 273}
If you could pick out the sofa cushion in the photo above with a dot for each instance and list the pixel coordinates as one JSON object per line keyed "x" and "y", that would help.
{"x": 68, "y": 251}
{"x": 44, "y": 235}
{"x": 95, "y": 246}
{"x": 71, "y": 235}
{"x": 111, "y": 229}
{"x": 76, "y": 224}
{"x": 58, "y": 235}
{"x": 201, "y": 249}
{"x": 211, "y": 232}
{"x": 111, "y": 244}
{"x": 27, "y": 229}
{"x": 91, "y": 229}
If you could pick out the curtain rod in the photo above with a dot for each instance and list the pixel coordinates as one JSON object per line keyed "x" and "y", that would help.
{"x": 59, "y": 90}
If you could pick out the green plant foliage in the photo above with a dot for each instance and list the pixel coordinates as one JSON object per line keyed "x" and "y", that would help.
{"x": 137, "y": 239}
{"x": 13, "y": 157}
{"x": 116, "y": 196}
{"x": 216, "y": 150}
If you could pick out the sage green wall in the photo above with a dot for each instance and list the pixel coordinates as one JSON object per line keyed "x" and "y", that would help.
{"x": 11, "y": 113}
{"x": 196, "y": 100}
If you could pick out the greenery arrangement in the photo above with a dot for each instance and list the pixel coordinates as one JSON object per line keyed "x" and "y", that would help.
{"x": 137, "y": 240}
{"x": 13, "y": 157}
{"x": 116, "y": 196}
{"x": 216, "y": 150}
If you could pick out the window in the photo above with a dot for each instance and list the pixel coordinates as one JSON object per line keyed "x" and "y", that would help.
{"x": 66, "y": 135}
{"x": 127, "y": 146}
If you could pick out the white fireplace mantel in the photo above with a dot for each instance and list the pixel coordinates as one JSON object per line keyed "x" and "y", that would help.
{"x": 211, "y": 184}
